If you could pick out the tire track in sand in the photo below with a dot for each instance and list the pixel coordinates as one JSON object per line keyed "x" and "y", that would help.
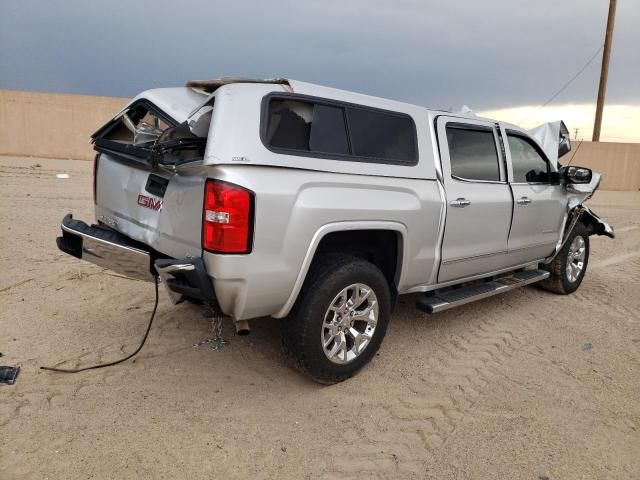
{"x": 397, "y": 437}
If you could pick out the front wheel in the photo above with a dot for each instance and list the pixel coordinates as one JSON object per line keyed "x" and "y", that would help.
{"x": 339, "y": 319}
{"x": 570, "y": 265}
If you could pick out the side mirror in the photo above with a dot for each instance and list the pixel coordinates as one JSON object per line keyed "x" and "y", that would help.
{"x": 564, "y": 142}
{"x": 576, "y": 175}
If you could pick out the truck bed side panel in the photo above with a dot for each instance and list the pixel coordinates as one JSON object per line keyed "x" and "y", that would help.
{"x": 293, "y": 205}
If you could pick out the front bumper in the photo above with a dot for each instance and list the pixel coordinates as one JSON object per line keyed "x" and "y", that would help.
{"x": 107, "y": 248}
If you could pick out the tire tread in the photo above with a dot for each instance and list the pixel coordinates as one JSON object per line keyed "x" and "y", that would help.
{"x": 300, "y": 329}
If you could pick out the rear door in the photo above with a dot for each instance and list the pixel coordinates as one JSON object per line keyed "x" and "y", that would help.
{"x": 539, "y": 199}
{"x": 479, "y": 202}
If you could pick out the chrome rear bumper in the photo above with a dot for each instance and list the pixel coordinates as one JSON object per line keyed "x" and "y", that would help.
{"x": 105, "y": 248}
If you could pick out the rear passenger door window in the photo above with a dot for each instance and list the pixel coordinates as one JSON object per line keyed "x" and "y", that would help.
{"x": 528, "y": 165}
{"x": 340, "y": 131}
{"x": 473, "y": 153}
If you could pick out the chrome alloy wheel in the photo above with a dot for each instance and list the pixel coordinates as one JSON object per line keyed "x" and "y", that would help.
{"x": 349, "y": 323}
{"x": 575, "y": 259}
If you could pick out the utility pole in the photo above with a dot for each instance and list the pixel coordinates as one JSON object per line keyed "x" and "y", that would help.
{"x": 604, "y": 70}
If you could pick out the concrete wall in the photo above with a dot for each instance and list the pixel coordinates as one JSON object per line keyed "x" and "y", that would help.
{"x": 618, "y": 163}
{"x": 59, "y": 125}
{"x": 52, "y": 125}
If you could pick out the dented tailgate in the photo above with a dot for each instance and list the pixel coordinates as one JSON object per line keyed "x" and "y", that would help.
{"x": 158, "y": 208}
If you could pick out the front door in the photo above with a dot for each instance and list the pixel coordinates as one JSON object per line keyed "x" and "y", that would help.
{"x": 539, "y": 203}
{"x": 479, "y": 202}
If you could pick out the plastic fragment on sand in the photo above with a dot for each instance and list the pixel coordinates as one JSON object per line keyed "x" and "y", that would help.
{"x": 8, "y": 375}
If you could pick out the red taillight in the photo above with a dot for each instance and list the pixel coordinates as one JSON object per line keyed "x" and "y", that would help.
{"x": 227, "y": 218}
{"x": 95, "y": 176}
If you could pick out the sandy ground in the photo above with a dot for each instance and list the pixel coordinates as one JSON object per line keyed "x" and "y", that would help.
{"x": 525, "y": 385}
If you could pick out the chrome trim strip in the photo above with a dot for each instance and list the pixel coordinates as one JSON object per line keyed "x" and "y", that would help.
{"x": 528, "y": 247}
{"x": 436, "y": 286}
{"x": 469, "y": 180}
{"x": 474, "y": 257}
{"x": 535, "y": 183}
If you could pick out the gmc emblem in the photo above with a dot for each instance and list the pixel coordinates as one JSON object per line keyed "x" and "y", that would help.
{"x": 149, "y": 202}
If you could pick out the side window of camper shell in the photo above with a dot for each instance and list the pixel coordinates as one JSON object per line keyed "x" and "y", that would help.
{"x": 320, "y": 128}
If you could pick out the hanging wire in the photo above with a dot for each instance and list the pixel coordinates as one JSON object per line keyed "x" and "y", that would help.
{"x": 570, "y": 81}
{"x": 584, "y": 67}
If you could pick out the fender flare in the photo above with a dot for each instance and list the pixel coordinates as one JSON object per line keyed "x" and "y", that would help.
{"x": 343, "y": 227}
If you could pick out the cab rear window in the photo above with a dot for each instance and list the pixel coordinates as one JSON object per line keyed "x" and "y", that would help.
{"x": 328, "y": 129}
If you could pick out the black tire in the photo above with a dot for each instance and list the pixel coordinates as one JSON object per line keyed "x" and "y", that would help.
{"x": 559, "y": 281}
{"x": 303, "y": 328}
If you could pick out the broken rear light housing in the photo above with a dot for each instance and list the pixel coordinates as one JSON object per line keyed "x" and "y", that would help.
{"x": 227, "y": 218}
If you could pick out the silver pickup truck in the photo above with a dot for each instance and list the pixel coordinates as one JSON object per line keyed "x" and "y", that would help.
{"x": 320, "y": 206}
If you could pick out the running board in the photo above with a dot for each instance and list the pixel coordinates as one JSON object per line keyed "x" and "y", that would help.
{"x": 459, "y": 296}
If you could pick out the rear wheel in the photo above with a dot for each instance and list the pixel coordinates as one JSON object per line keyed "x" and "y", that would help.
{"x": 339, "y": 319}
{"x": 570, "y": 265}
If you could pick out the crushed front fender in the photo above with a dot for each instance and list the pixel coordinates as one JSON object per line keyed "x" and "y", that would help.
{"x": 596, "y": 225}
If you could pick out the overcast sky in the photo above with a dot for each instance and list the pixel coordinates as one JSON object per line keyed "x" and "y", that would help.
{"x": 486, "y": 54}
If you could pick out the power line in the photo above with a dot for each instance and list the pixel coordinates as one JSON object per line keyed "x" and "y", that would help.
{"x": 584, "y": 67}
{"x": 571, "y": 80}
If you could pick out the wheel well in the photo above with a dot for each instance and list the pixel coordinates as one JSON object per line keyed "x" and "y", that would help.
{"x": 383, "y": 248}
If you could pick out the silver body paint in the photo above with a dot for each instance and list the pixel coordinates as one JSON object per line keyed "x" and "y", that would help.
{"x": 299, "y": 200}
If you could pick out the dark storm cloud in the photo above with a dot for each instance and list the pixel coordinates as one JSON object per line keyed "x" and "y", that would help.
{"x": 483, "y": 53}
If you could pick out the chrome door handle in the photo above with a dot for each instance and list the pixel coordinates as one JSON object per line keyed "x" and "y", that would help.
{"x": 524, "y": 201}
{"x": 460, "y": 202}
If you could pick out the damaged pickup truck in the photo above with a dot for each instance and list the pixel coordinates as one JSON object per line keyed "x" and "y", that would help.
{"x": 320, "y": 206}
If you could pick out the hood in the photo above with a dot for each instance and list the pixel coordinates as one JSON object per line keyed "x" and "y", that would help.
{"x": 553, "y": 137}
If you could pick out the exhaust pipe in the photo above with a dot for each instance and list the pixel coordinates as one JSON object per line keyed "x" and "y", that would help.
{"x": 242, "y": 327}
